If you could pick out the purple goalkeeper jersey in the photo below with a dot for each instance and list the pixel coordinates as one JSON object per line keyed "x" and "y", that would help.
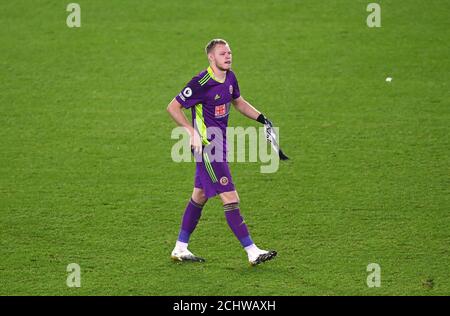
{"x": 210, "y": 101}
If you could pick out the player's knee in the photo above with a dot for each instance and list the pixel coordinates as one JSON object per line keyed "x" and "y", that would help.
{"x": 199, "y": 197}
{"x": 229, "y": 197}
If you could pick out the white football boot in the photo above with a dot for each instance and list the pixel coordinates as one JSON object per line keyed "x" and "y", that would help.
{"x": 185, "y": 255}
{"x": 257, "y": 256}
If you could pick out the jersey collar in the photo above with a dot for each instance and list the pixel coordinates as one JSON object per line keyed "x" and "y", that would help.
{"x": 211, "y": 73}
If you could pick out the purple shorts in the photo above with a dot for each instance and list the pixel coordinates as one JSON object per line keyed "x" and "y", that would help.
{"x": 213, "y": 177}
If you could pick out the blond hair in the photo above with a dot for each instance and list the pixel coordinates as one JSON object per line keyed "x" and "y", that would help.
{"x": 212, "y": 43}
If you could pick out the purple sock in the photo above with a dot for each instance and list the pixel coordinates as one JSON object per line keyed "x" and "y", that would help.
{"x": 190, "y": 219}
{"x": 237, "y": 224}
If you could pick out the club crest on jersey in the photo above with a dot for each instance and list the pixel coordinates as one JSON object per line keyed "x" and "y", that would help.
{"x": 224, "y": 181}
{"x": 231, "y": 89}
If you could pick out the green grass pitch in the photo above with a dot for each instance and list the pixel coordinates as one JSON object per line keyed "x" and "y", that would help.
{"x": 86, "y": 175}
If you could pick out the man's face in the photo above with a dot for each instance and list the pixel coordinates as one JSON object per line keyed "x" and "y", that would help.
{"x": 221, "y": 57}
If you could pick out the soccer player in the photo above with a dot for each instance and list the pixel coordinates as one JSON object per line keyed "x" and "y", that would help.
{"x": 210, "y": 94}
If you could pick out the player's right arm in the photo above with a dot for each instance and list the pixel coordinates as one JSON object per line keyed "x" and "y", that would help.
{"x": 187, "y": 98}
{"x": 175, "y": 110}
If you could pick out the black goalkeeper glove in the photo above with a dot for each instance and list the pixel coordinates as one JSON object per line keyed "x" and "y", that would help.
{"x": 264, "y": 120}
{"x": 270, "y": 135}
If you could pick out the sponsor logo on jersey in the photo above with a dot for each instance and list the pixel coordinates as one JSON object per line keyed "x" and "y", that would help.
{"x": 217, "y": 97}
{"x": 221, "y": 110}
{"x": 231, "y": 89}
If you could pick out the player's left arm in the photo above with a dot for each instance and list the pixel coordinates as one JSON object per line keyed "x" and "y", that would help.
{"x": 246, "y": 108}
{"x": 249, "y": 110}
